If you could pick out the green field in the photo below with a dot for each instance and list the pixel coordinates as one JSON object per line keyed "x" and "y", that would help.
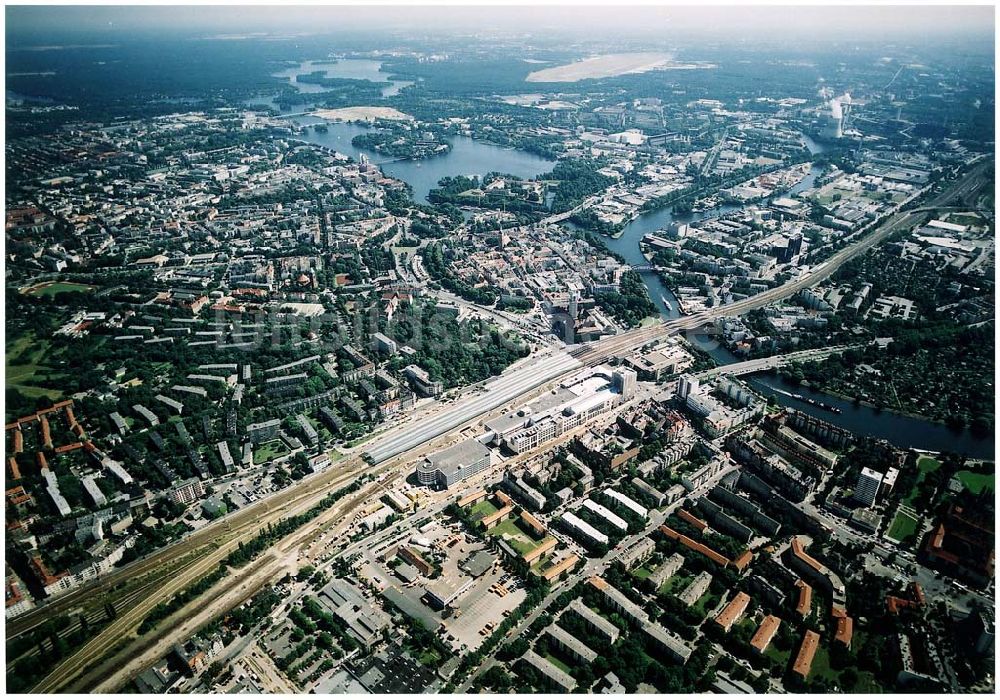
{"x": 976, "y": 482}
{"x": 482, "y": 509}
{"x": 821, "y": 669}
{"x": 965, "y": 220}
{"x": 425, "y": 656}
{"x": 558, "y": 663}
{"x": 749, "y": 624}
{"x": 903, "y": 525}
{"x": 515, "y": 536}
{"x": 27, "y": 368}
{"x": 268, "y": 451}
{"x": 642, "y": 573}
{"x": 675, "y": 584}
{"x": 50, "y": 290}
{"x": 541, "y": 564}
{"x": 705, "y": 604}
{"x": 925, "y": 464}
{"x": 773, "y": 652}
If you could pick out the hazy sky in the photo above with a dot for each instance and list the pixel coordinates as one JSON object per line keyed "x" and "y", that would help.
{"x": 890, "y": 22}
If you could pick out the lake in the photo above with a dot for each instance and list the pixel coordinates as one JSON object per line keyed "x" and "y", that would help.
{"x": 466, "y": 157}
{"x": 355, "y": 68}
{"x": 470, "y": 157}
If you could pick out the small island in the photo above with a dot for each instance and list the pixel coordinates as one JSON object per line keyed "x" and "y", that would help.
{"x": 402, "y": 141}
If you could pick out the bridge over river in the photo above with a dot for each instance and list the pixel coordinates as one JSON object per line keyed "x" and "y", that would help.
{"x": 766, "y": 363}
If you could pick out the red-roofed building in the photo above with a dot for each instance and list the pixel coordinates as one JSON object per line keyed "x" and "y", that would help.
{"x": 804, "y": 659}
{"x": 845, "y": 631}
{"x": 733, "y": 611}
{"x": 62, "y": 449}
{"x": 804, "y": 604}
{"x": 692, "y": 520}
{"x": 963, "y": 544}
{"x": 743, "y": 561}
{"x": 695, "y": 546}
{"x": 17, "y": 495}
{"x": 46, "y": 432}
{"x": 558, "y": 569}
{"x": 765, "y": 633}
{"x": 811, "y": 569}
{"x": 916, "y": 601}
{"x": 13, "y": 469}
{"x": 42, "y": 572}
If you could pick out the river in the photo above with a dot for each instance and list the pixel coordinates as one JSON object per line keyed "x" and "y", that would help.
{"x": 627, "y": 245}
{"x": 469, "y": 157}
{"x": 900, "y": 430}
{"x": 904, "y": 431}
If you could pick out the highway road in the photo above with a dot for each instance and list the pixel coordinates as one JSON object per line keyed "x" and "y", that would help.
{"x": 169, "y": 570}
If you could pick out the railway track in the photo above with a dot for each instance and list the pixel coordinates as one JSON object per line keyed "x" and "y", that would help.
{"x": 91, "y": 653}
{"x": 200, "y": 553}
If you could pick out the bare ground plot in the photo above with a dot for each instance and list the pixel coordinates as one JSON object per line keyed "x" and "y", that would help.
{"x": 601, "y": 67}
{"x": 359, "y": 114}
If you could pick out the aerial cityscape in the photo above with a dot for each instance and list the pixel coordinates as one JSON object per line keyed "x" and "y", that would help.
{"x": 500, "y": 349}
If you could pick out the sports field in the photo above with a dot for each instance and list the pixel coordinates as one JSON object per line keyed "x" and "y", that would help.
{"x": 50, "y": 289}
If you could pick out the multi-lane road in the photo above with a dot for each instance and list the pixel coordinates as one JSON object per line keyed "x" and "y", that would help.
{"x": 159, "y": 576}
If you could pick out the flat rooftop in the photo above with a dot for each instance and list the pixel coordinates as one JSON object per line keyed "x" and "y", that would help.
{"x": 460, "y": 455}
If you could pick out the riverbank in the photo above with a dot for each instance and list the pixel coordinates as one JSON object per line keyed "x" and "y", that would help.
{"x": 866, "y": 404}
{"x": 904, "y": 431}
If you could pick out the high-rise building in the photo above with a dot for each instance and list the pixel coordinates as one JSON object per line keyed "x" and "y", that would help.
{"x": 624, "y": 380}
{"x": 866, "y": 490}
{"x": 686, "y": 385}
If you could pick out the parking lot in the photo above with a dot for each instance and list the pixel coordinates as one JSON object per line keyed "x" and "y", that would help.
{"x": 482, "y": 609}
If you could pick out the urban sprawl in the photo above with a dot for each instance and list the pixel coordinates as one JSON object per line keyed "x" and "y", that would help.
{"x": 277, "y": 424}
